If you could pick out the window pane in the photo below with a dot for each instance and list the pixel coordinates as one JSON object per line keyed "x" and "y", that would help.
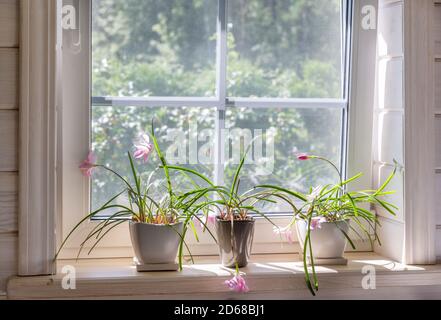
{"x": 285, "y": 48}
{"x": 314, "y": 131}
{"x": 115, "y": 129}
{"x": 154, "y": 48}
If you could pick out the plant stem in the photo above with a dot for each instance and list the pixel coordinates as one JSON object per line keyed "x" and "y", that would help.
{"x": 334, "y": 166}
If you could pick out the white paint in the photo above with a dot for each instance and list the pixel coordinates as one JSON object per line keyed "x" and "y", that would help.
{"x": 38, "y": 148}
{"x": 390, "y": 28}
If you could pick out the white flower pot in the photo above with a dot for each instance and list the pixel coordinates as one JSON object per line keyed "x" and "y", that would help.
{"x": 155, "y": 244}
{"x": 327, "y": 241}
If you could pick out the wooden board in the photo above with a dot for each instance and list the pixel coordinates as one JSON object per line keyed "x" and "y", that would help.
{"x": 8, "y": 78}
{"x": 8, "y": 258}
{"x": 8, "y": 202}
{"x": 9, "y": 17}
{"x": 8, "y": 140}
{"x": 438, "y": 85}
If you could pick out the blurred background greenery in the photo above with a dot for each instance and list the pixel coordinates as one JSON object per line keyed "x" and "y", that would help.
{"x": 276, "y": 48}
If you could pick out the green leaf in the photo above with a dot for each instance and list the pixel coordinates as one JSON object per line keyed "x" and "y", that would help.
{"x": 292, "y": 193}
{"x": 347, "y": 237}
{"x": 107, "y": 231}
{"x": 386, "y": 183}
{"x": 192, "y": 172}
{"x": 86, "y": 218}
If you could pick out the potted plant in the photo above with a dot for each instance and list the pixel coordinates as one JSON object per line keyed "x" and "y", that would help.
{"x": 324, "y": 218}
{"x": 232, "y": 213}
{"x": 157, "y": 226}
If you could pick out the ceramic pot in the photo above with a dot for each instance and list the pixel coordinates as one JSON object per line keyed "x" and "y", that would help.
{"x": 155, "y": 244}
{"x": 235, "y": 242}
{"x": 328, "y": 241}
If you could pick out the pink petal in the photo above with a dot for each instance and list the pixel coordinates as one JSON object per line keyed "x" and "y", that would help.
{"x": 317, "y": 223}
{"x": 302, "y": 157}
{"x": 88, "y": 165}
{"x": 197, "y": 222}
{"x": 91, "y": 157}
{"x": 237, "y": 284}
{"x": 287, "y": 232}
{"x": 289, "y": 237}
{"x": 211, "y": 219}
{"x": 138, "y": 154}
{"x": 143, "y": 151}
{"x": 203, "y": 221}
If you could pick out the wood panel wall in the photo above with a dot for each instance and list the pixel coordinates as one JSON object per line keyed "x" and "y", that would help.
{"x": 9, "y": 105}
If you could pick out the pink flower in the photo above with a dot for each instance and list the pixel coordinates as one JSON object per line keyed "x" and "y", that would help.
{"x": 88, "y": 165}
{"x": 237, "y": 284}
{"x": 211, "y": 219}
{"x": 143, "y": 148}
{"x": 317, "y": 223}
{"x": 314, "y": 194}
{"x": 203, "y": 221}
{"x": 302, "y": 157}
{"x": 287, "y": 232}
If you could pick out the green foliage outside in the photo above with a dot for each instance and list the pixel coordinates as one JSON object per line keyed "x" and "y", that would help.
{"x": 277, "y": 48}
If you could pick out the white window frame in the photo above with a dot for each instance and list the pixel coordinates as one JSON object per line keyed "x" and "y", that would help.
{"x": 76, "y": 135}
{"x": 42, "y": 169}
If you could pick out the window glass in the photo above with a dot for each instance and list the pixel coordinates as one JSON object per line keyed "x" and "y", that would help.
{"x": 185, "y": 136}
{"x": 154, "y": 48}
{"x": 285, "y": 132}
{"x": 284, "y": 48}
{"x": 276, "y": 49}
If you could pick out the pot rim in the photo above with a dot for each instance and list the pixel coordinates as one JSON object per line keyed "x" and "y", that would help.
{"x": 348, "y": 220}
{"x": 154, "y": 224}
{"x": 251, "y": 219}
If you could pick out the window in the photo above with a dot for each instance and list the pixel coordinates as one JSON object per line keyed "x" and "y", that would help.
{"x": 216, "y": 74}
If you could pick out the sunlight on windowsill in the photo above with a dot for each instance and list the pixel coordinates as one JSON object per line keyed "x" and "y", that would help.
{"x": 272, "y": 275}
{"x": 260, "y": 265}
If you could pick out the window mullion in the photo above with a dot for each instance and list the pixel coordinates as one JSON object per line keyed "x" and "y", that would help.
{"x": 347, "y": 20}
{"x": 221, "y": 92}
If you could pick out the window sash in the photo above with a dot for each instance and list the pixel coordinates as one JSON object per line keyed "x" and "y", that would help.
{"x": 118, "y": 245}
{"x": 221, "y": 101}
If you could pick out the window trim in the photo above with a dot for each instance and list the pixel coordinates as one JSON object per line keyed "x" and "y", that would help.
{"x": 40, "y": 203}
{"x": 117, "y": 243}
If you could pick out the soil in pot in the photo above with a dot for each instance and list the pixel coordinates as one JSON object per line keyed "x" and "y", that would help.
{"x": 235, "y": 241}
{"x": 155, "y": 244}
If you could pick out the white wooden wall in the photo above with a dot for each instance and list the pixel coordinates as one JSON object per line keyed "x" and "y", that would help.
{"x": 437, "y": 57}
{"x": 389, "y": 121}
{"x": 9, "y": 82}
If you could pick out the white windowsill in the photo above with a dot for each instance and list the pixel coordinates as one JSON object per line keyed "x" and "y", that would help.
{"x": 268, "y": 276}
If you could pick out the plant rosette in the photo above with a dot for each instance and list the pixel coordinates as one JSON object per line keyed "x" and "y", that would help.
{"x": 231, "y": 212}
{"x": 157, "y": 223}
{"x": 323, "y": 218}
